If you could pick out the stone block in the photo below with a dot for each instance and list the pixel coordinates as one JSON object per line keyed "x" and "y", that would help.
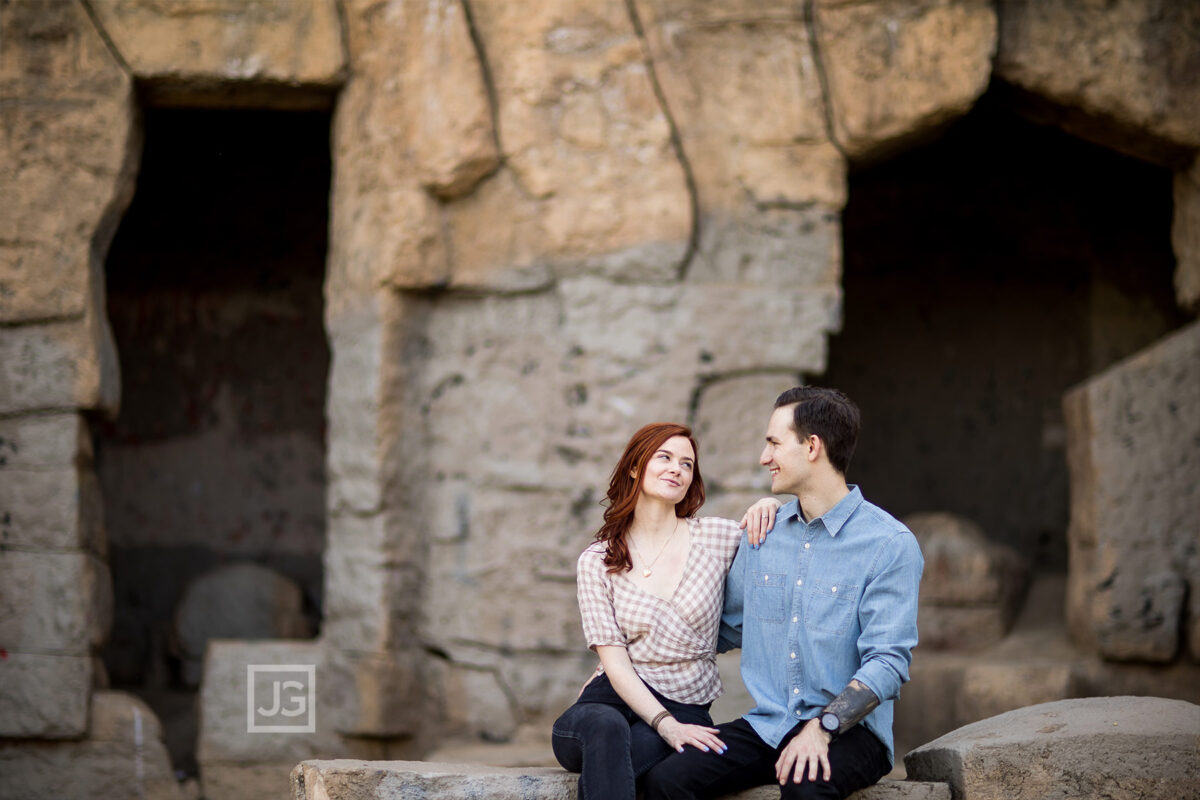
{"x": 1185, "y": 237}
{"x": 122, "y": 756}
{"x": 57, "y": 365}
{"x": 394, "y": 780}
{"x": 991, "y": 688}
{"x": 53, "y": 602}
{"x": 971, "y": 588}
{"x": 44, "y": 696}
{"x": 226, "y": 693}
{"x": 1123, "y": 69}
{"x": 1133, "y": 451}
{"x": 1124, "y": 748}
{"x": 377, "y": 695}
{"x": 292, "y": 42}
{"x": 730, "y": 421}
{"x": 897, "y": 68}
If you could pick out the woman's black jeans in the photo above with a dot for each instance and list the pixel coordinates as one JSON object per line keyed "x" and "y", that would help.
{"x": 610, "y": 746}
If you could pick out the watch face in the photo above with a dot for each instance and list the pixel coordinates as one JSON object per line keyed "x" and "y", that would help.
{"x": 830, "y": 722}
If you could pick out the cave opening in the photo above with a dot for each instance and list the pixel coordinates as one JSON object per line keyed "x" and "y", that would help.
{"x": 985, "y": 274}
{"x": 213, "y": 473}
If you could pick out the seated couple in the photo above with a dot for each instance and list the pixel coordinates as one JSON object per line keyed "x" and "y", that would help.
{"x": 824, "y": 609}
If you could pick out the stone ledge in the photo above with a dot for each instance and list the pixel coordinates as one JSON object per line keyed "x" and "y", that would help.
{"x": 398, "y": 780}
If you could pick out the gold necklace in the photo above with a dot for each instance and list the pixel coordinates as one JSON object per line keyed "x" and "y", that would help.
{"x": 649, "y": 568}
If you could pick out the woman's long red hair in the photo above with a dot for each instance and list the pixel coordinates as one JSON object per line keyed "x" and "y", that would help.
{"x": 625, "y": 486}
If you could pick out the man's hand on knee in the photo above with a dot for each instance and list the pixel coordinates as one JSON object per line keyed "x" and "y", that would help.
{"x": 805, "y": 755}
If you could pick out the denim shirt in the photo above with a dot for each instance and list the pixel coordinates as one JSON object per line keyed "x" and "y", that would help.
{"x": 819, "y": 604}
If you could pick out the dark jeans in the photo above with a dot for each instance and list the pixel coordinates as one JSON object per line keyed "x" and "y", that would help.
{"x": 856, "y": 759}
{"x": 610, "y": 746}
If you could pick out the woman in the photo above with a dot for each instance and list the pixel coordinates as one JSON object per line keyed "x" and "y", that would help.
{"x": 650, "y": 591}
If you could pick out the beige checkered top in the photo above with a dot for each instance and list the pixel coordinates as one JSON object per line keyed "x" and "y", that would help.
{"x": 672, "y": 643}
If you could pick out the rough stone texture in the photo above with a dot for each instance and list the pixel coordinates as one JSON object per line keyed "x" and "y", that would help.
{"x": 53, "y": 602}
{"x": 236, "y": 601}
{"x": 1124, "y": 748}
{"x": 728, "y": 414}
{"x": 1127, "y": 69}
{"x": 290, "y": 42}
{"x": 896, "y": 67}
{"x": 44, "y": 696}
{"x": 121, "y": 756}
{"x": 1185, "y": 236}
{"x": 971, "y": 588}
{"x": 1133, "y": 449}
{"x": 392, "y": 780}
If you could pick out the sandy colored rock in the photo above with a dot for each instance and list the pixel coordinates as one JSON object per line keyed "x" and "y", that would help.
{"x": 1133, "y": 435}
{"x": 971, "y": 588}
{"x": 1132, "y": 64}
{"x": 392, "y": 780}
{"x": 898, "y": 68}
{"x": 282, "y": 41}
{"x": 44, "y": 696}
{"x": 731, "y": 417}
{"x": 1125, "y": 748}
{"x": 122, "y": 756}
{"x": 53, "y": 601}
{"x": 1185, "y": 236}
{"x": 989, "y": 689}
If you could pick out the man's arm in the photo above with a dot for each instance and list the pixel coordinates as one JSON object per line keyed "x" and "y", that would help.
{"x": 729, "y": 637}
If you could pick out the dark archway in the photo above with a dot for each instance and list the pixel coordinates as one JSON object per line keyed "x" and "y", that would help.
{"x": 985, "y": 274}
{"x": 215, "y": 295}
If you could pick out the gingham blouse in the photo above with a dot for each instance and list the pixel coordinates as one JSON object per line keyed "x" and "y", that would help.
{"x": 672, "y": 643}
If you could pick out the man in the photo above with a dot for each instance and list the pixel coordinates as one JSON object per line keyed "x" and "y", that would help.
{"x": 825, "y": 611}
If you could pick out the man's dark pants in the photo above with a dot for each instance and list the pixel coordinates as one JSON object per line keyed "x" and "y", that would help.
{"x": 857, "y": 759}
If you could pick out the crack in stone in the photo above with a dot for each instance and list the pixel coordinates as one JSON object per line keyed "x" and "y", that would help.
{"x": 489, "y": 82}
{"x": 810, "y": 23}
{"x": 86, "y": 5}
{"x": 693, "y": 245}
{"x": 343, "y": 17}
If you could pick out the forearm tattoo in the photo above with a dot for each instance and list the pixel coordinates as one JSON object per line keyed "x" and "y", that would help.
{"x": 852, "y": 705}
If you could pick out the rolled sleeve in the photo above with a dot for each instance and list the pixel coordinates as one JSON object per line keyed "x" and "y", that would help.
{"x": 593, "y": 588}
{"x": 729, "y": 637}
{"x": 888, "y": 617}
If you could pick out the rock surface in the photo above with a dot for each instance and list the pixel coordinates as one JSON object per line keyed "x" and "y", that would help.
{"x": 1133, "y": 435}
{"x": 393, "y": 780}
{"x": 122, "y": 756}
{"x": 971, "y": 588}
{"x": 1124, "y": 748}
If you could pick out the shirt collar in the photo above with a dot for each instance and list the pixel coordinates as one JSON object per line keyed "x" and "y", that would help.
{"x": 834, "y": 518}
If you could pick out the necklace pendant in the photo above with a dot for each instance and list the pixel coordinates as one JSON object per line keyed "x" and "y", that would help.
{"x": 645, "y": 573}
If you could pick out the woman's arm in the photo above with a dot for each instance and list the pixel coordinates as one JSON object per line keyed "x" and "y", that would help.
{"x": 635, "y": 694}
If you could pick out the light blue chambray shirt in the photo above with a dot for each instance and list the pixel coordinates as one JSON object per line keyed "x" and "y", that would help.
{"x": 819, "y": 604}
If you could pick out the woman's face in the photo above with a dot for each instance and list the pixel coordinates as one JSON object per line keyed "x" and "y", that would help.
{"x": 669, "y": 471}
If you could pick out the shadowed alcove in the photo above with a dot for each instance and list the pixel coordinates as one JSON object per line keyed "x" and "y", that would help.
{"x": 985, "y": 274}
{"x": 217, "y": 456}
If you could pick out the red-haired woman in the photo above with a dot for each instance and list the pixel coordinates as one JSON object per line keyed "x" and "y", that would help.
{"x": 650, "y": 593}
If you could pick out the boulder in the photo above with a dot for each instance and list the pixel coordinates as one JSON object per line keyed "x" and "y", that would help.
{"x": 121, "y": 757}
{"x": 235, "y": 601}
{"x": 971, "y": 588}
{"x": 1123, "y": 748}
{"x": 1133, "y": 452}
{"x": 398, "y": 780}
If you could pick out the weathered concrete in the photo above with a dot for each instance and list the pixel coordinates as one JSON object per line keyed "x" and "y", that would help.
{"x": 121, "y": 756}
{"x": 1125, "y": 748}
{"x": 1185, "y": 236}
{"x": 393, "y": 780}
{"x": 1133, "y": 436}
{"x": 971, "y": 588}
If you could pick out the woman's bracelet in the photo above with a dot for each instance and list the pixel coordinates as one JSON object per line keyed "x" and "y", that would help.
{"x": 659, "y": 718}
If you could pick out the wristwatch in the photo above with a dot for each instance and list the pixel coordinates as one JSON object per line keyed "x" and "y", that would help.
{"x": 830, "y": 723}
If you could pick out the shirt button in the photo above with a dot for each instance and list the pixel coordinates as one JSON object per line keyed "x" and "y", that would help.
{"x": 833, "y": 589}
{"x": 795, "y": 619}
{"x": 800, "y": 582}
{"x": 795, "y": 691}
{"x": 807, "y": 545}
{"x": 766, "y": 578}
{"x": 793, "y": 655}
{"x": 797, "y": 712}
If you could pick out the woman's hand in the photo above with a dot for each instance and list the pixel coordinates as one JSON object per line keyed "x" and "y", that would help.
{"x": 759, "y": 519}
{"x": 678, "y": 734}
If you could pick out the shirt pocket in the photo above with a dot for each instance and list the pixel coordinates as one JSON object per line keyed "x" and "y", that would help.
{"x": 766, "y": 596}
{"x": 829, "y": 606}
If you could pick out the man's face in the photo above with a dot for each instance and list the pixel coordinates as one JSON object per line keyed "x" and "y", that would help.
{"x": 785, "y": 455}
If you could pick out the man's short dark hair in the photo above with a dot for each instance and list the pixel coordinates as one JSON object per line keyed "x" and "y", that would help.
{"x": 827, "y": 414}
